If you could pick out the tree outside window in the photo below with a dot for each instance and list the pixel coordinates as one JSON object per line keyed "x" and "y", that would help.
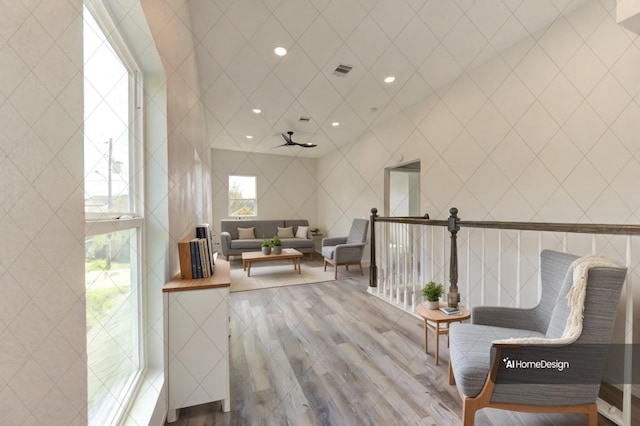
{"x": 242, "y": 196}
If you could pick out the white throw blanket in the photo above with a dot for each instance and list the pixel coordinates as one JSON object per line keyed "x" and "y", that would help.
{"x": 575, "y": 301}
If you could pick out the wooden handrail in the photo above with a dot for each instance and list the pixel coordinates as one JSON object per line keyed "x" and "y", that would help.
{"x": 454, "y": 224}
{"x": 584, "y": 228}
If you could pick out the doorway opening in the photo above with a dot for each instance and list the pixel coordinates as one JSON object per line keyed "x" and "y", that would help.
{"x": 402, "y": 189}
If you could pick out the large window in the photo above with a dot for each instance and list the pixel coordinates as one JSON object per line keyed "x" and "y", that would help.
{"x": 113, "y": 210}
{"x": 242, "y": 196}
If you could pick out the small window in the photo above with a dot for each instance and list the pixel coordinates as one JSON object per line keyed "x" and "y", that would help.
{"x": 242, "y": 196}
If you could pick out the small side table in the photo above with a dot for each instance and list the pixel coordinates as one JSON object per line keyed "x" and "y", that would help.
{"x": 437, "y": 316}
{"x": 317, "y": 242}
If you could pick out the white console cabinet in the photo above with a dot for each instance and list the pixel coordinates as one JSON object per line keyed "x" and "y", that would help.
{"x": 198, "y": 340}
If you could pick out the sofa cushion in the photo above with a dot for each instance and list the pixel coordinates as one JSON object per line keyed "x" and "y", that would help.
{"x": 302, "y": 232}
{"x": 295, "y": 223}
{"x": 470, "y": 352}
{"x": 296, "y": 243}
{"x": 246, "y": 233}
{"x": 251, "y": 245}
{"x": 285, "y": 232}
{"x": 266, "y": 228}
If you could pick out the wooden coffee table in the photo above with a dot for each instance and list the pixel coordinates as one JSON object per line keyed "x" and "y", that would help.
{"x": 256, "y": 256}
{"x": 436, "y": 316}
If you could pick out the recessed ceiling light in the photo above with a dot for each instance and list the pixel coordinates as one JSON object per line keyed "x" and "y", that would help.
{"x": 280, "y": 51}
{"x": 335, "y": 124}
{"x": 256, "y": 110}
{"x": 389, "y": 79}
{"x": 249, "y": 137}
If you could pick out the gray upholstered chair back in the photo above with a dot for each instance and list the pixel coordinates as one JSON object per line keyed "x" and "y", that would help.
{"x": 358, "y": 231}
{"x": 557, "y": 280}
{"x": 555, "y": 273}
{"x": 556, "y": 277}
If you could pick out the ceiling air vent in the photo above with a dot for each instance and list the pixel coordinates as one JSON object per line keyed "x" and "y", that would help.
{"x": 342, "y": 70}
{"x": 304, "y": 119}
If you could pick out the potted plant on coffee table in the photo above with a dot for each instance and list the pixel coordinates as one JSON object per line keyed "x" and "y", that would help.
{"x": 432, "y": 293}
{"x": 276, "y": 243}
{"x": 266, "y": 247}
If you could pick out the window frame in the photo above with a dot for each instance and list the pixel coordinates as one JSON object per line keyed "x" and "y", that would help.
{"x": 100, "y": 223}
{"x": 229, "y": 199}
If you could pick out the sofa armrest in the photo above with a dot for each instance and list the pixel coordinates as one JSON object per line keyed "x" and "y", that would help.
{"x": 502, "y": 316}
{"x": 333, "y": 241}
{"x": 225, "y": 243}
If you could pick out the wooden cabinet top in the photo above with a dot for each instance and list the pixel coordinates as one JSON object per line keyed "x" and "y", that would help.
{"x": 220, "y": 278}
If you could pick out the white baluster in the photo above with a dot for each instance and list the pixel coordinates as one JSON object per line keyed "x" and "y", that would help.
{"x": 468, "y": 289}
{"x": 483, "y": 270}
{"x": 499, "y": 267}
{"x": 518, "y": 278}
{"x": 628, "y": 340}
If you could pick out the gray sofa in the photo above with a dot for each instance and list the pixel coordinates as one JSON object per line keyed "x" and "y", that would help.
{"x": 232, "y": 245}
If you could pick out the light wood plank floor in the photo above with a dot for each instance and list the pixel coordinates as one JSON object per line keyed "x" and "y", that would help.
{"x": 331, "y": 354}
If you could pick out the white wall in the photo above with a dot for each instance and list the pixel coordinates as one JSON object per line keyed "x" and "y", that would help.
{"x": 287, "y": 186}
{"x": 189, "y": 188}
{"x": 545, "y": 131}
{"x": 43, "y": 378}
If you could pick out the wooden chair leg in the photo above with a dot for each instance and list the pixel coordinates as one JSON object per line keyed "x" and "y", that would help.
{"x": 325, "y": 265}
{"x": 335, "y": 272}
{"x": 452, "y": 380}
{"x": 361, "y": 270}
{"x": 468, "y": 412}
{"x": 593, "y": 415}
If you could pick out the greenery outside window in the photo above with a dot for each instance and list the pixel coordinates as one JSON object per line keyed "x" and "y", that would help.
{"x": 113, "y": 212}
{"x": 242, "y": 196}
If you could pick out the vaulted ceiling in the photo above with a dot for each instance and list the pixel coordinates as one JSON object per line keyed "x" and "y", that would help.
{"x": 424, "y": 44}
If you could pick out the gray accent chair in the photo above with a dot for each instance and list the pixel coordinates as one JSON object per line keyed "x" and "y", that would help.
{"x": 480, "y": 368}
{"x": 346, "y": 250}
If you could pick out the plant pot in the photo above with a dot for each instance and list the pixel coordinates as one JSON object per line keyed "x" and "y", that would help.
{"x": 432, "y": 304}
{"x": 277, "y": 249}
{"x": 266, "y": 250}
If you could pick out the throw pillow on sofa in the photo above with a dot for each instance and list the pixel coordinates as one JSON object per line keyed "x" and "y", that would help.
{"x": 285, "y": 232}
{"x": 246, "y": 234}
{"x": 302, "y": 232}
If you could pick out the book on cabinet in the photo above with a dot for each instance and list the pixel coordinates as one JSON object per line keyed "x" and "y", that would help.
{"x": 197, "y": 258}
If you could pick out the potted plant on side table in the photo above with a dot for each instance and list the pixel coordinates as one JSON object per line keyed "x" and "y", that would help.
{"x": 266, "y": 247}
{"x": 276, "y": 243}
{"x": 432, "y": 293}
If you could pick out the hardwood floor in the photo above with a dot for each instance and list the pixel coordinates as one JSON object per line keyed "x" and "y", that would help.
{"x": 331, "y": 354}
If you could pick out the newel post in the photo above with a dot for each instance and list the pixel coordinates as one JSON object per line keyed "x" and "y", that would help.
{"x": 373, "y": 268}
{"x": 453, "y": 296}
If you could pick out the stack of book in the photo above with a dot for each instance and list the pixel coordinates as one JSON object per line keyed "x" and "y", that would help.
{"x": 197, "y": 258}
{"x": 450, "y": 311}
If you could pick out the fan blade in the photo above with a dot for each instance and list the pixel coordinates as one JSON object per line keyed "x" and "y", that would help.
{"x": 287, "y": 139}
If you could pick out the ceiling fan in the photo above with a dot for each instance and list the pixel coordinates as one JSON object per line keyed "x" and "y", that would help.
{"x": 288, "y": 141}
